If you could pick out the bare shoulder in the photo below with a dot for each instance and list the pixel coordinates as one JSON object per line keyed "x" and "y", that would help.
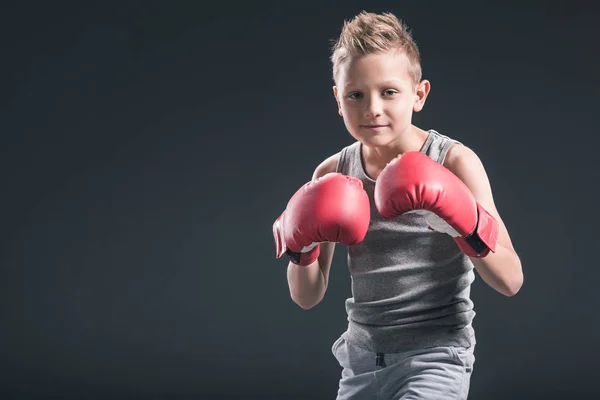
{"x": 327, "y": 166}
{"x": 467, "y": 166}
{"x": 459, "y": 155}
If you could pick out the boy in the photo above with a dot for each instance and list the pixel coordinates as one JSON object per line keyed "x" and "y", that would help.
{"x": 416, "y": 211}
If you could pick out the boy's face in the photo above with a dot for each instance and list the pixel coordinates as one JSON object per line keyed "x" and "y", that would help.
{"x": 376, "y": 97}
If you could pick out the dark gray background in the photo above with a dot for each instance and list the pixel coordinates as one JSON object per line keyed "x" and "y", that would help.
{"x": 147, "y": 148}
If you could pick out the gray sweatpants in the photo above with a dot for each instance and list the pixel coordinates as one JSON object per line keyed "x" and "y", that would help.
{"x": 428, "y": 374}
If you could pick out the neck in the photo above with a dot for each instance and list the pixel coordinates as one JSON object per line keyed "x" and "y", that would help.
{"x": 412, "y": 140}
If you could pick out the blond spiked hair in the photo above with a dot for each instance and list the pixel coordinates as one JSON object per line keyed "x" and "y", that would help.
{"x": 370, "y": 33}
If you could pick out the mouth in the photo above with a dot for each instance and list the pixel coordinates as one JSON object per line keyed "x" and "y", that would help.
{"x": 373, "y": 126}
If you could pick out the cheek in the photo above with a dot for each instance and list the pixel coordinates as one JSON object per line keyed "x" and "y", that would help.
{"x": 349, "y": 111}
{"x": 404, "y": 108}
{"x": 349, "y": 120}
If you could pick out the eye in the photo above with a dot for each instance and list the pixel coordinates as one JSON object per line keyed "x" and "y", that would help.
{"x": 355, "y": 95}
{"x": 389, "y": 92}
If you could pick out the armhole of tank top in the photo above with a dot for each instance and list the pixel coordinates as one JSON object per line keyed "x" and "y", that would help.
{"x": 445, "y": 148}
{"x": 341, "y": 160}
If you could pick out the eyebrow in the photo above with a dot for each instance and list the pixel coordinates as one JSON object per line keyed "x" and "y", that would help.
{"x": 384, "y": 83}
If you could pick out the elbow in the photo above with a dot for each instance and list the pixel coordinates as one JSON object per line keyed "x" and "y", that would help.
{"x": 513, "y": 288}
{"x": 306, "y": 307}
{"x": 513, "y": 291}
{"x": 306, "y": 304}
{"x": 514, "y": 284}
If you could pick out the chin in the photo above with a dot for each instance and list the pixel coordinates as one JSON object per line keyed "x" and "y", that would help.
{"x": 375, "y": 140}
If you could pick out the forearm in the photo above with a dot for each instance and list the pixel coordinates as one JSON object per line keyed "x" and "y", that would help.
{"x": 501, "y": 270}
{"x": 307, "y": 284}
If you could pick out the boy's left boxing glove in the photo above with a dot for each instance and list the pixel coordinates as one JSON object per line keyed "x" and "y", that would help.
{"x": 414, "y": 182}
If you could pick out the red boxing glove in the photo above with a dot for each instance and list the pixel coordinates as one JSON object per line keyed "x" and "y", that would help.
{"x": 333, "y": 208}
{"x": 416, "y": 182}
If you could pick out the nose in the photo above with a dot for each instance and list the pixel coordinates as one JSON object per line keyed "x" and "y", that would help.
{"x": 373, "y": 107}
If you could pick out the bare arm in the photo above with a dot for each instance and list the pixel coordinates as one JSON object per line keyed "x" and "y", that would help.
{"x": 501, "y": 270}
{"x": 308, "y": 284}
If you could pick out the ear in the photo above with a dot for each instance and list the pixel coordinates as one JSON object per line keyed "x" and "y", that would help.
{"x": 335, "y": 94}
{"x": 422, "y": 90}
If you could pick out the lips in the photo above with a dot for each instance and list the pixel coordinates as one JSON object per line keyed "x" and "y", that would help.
{"x": 373, "y": 126}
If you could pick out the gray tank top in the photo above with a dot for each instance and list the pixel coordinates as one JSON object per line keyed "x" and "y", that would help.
{"x": 410, "y": 285}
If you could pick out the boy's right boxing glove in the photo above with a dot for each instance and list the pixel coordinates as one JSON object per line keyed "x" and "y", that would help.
{"x": 332, "y": 208}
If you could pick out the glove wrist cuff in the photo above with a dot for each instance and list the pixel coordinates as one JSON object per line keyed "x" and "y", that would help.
{"x": 484, "y": 237}
{"x": 304, "y": 259}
